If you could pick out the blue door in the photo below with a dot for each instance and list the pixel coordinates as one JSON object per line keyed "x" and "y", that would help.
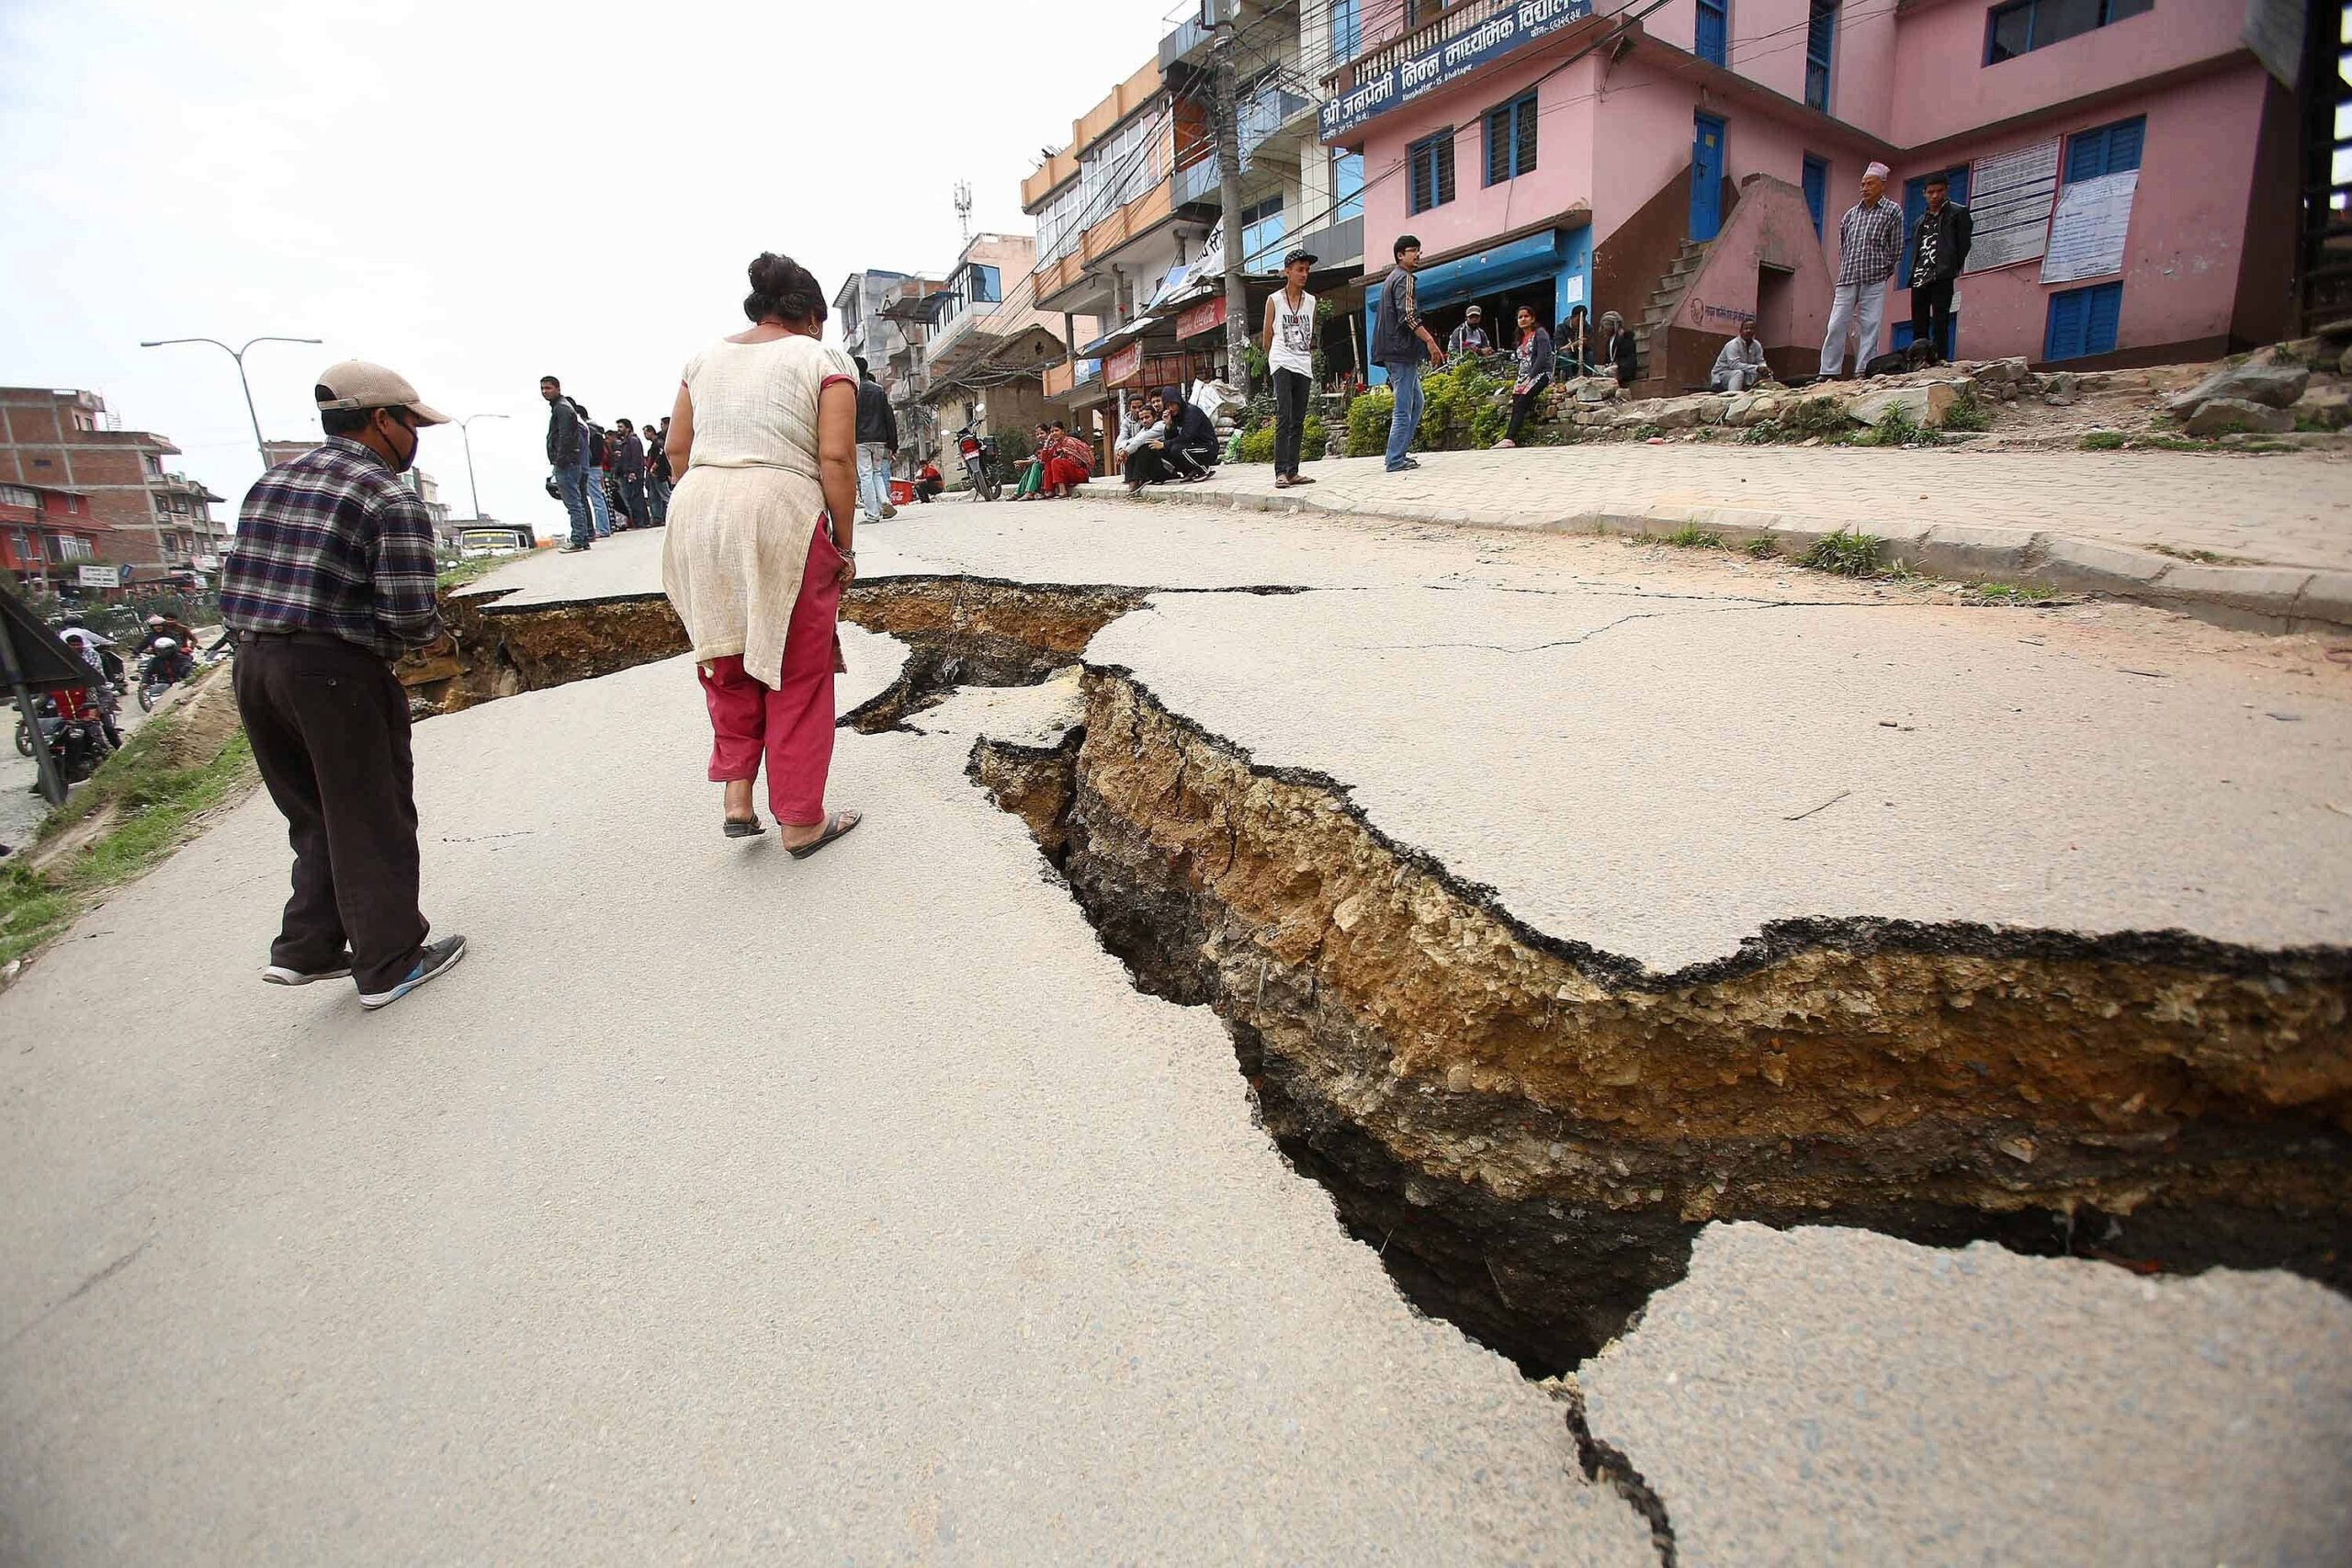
{"x": 1707, "y": 178}
{"x": 1708, "y": 38}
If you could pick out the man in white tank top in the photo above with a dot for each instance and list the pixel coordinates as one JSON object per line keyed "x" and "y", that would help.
{"x": 1288, "y": 339}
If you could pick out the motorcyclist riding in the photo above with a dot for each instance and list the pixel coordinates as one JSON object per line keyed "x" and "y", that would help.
{"x": 175, "y": 662}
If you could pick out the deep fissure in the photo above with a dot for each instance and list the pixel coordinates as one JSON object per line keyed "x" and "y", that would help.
{"x": 1530, "y": 1132}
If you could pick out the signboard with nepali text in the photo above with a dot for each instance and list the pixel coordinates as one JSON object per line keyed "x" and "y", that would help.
{"x": 1121, "y": 368}
{"x": 1510, "y": 27}
{"x": 99, "y": 576}
{"x": 2009, "y": 196}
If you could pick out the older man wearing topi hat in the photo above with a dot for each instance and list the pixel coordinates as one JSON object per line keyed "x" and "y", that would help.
{"x": 331, "y": 579}
{"x": 1869, "y": 245}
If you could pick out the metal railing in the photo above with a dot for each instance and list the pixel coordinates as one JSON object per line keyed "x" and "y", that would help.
{"x": 1453, "y": 24}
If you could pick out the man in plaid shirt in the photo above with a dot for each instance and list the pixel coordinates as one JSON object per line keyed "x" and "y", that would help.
{"x": 1869, "y": 245}
{"x": 331, "y": 576}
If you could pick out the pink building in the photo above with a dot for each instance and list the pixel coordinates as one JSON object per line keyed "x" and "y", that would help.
{"x": 1687, "y": 163}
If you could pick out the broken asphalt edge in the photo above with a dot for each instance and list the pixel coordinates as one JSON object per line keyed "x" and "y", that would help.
{"x": 2274, "y": 599}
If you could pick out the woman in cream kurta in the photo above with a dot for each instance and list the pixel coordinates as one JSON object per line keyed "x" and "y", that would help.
{"x": 758, "y": 548}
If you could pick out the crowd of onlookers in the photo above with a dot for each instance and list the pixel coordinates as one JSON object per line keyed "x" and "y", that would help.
{"x": 608, "y": 479}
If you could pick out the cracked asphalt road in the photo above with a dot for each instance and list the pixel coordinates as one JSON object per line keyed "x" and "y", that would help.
{"x": 727, "y": 1208}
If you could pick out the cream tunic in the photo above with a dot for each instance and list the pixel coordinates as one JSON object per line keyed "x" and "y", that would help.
{"x": 742, "y": 518}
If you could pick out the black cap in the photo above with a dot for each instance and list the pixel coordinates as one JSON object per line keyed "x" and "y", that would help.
{"x": 1309, "y": 258}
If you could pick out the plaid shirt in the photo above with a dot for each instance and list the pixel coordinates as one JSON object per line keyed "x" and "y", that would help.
{"x": 332, "y": 542}
{"x": 1870, "y": 242}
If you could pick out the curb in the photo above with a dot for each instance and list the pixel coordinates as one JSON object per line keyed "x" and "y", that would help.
{"x": 2272, "y": 599}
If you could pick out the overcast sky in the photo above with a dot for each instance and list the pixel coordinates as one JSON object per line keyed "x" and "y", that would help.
{"x": 476, "y": 194}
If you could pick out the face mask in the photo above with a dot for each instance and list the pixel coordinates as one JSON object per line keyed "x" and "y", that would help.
{"x": 407, "y": 460}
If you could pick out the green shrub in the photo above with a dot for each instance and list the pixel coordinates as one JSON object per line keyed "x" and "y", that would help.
{"x": 2102, "y": 441}
{"x": 1368, "y": 422}
{"x": 1814, "y": 416}
{"x": 1690, "y": 537}
{"x": 1847, "y": 554}
{"x": 1895, "y": 428}
{"x": 1967, "y": 413}
{"x": 1763, "y": 547}
{"x": 1258, "y": 445}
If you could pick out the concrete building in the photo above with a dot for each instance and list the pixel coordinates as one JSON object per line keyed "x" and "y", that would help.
{"x": 905, "y": 372}
{"x": 988, "y": 345}
{"x": 857, "y": 314}
{"x": 147, "y": 516}
{"x": 45, "y": 534}
{"x": 1688, "y": 165}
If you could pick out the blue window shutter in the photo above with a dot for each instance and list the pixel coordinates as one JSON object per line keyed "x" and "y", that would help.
{"x": 2064, "y": 338}
{"x": 2102, "y": 311}
{"x": 1498, "y": 145}
{"x": 2086, "y": 155}
{"x": 2123, "y": 144}
{"x": 1817, "y": 190}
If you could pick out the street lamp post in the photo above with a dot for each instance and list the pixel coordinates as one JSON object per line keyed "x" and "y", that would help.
{"x": 239, "y": 356}
{"x": 467, "y": 438}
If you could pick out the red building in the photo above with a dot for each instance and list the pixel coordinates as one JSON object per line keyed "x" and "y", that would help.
{"x": 143, "y": 515}
{"x": 45, "y": 534}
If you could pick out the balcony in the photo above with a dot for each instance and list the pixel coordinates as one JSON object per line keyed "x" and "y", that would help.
{"x": 1189, "y": 41}
{"x": 1134, "y": 220}
{"x": 1197, "y": 182}
{"x": 1378, "y": 57}
{"x": 1265, "y": 112}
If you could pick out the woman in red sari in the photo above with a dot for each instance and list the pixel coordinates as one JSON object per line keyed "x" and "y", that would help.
{"x": 1070, "y": 463}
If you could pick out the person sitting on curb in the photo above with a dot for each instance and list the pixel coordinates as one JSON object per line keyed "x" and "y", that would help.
{"x": 1741, "y": 364}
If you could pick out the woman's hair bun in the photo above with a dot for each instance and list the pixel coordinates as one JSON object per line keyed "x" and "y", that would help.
{"x": 782, "y": 287}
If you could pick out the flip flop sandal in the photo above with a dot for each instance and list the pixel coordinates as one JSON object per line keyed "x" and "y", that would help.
{"x": 835, "y": 828}
{"x": 1298, "y": 479}
{"x": 738, "y": 828}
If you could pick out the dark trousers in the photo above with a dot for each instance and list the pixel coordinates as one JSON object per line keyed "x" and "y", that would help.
{"x": 1931, "y": 316}
{"x": 329, "y": 731}
{"x": 1290, "y": 419}
{"x": 1521, "y": 404}
{"x": 634, "y": 502}
{"x": 1157, "y": 465}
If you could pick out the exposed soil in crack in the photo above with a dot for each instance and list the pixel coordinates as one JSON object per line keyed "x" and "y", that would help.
{"x": 1530, "y": 1132}
{"x": 492, "y": 651}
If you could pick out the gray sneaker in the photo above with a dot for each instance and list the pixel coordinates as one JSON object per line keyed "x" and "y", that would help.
{"x": 438, "y": 959}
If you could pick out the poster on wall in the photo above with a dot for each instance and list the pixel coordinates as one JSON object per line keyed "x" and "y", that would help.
{"x": 2087, "y": 230}
{"x": 2009, "y": 197}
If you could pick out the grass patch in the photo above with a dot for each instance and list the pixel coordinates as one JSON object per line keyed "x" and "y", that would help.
{"x": 1848, "y": 554}
{"x": 157, "y": 801}
{"x": 1762, "y": 548}
{"x": 1997, "y": 594}
{"x": 1896, "y": 428}
{"x": 1967, "y": 413}
{"x": 472, "y": 569}
{"x": 2102, "y": 441}
{"x": 1690, "y": 537}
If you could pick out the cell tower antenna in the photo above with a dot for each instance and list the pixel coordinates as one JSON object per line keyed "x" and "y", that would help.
{"x": 963, "y": 208}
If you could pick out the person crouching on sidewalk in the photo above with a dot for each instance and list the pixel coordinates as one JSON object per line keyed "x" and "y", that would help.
{"x": 331, "y": 577}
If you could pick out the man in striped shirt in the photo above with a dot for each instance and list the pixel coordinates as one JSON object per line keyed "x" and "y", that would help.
{"x": 1869, "y": 243}
{"x": 331, "y": 576}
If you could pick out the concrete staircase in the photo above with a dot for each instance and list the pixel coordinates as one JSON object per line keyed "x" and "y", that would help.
{"x": 1667, "y": 298}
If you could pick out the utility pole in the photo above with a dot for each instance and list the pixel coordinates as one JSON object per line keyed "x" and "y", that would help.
{"x": 1225, "y": 93}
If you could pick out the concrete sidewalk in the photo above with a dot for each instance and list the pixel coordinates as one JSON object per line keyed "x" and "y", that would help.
{"x": 2136, "y": 524}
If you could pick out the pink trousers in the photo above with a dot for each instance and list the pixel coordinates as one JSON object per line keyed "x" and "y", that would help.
{"x": 793, "y": 724}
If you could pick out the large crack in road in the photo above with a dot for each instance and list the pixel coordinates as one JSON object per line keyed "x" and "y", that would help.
{"x": 1531, "y": 1130}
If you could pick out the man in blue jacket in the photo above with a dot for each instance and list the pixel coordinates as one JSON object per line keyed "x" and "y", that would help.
{"x": 1402, "y": 344}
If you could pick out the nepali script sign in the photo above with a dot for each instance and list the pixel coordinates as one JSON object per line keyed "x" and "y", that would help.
{"x": 1432, "y": 67}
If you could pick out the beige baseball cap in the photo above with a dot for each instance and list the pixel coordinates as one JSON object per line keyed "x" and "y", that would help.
{"x": 356, "y": 384}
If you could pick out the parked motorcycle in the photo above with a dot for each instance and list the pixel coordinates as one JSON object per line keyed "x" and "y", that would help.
{"x": 978, "y": 453}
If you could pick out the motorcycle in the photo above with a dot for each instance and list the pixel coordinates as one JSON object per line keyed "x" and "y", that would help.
{"x": 161, "y": 671}
{"x": 79, "y": 736}
{"x": 978, "y": 453}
